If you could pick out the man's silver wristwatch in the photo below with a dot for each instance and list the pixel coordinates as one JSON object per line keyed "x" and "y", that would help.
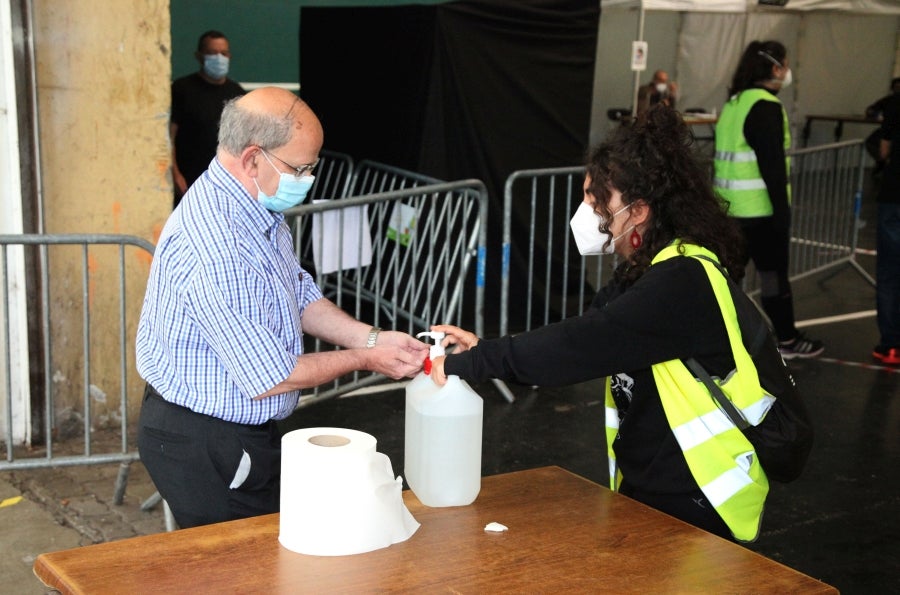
{"x": 373, "y": 336}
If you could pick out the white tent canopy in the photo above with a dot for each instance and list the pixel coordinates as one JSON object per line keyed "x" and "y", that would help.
{"x": 843, "y": 53}
{"x": 854, "y": 6}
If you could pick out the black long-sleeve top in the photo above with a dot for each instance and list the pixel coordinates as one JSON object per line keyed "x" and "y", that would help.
{"x": 764, "y": 131}
{"x": 670, "y": 312}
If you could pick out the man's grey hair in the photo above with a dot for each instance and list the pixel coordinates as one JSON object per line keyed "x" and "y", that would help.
{"x": 240, "y": 128}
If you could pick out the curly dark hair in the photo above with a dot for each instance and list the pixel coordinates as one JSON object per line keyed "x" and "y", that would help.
{"x": 654, "y": 161}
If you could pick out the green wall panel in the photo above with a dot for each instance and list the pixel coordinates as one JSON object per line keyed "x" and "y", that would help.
{"x": 264, "y": 34}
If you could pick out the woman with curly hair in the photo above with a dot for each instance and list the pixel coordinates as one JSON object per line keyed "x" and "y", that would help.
{"x": 648, "y": 199}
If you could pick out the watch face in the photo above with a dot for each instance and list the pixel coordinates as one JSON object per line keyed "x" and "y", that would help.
{"x": 373, "y": 336}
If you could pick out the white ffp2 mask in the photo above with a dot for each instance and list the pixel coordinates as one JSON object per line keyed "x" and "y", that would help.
{"x": 585, "y": 225}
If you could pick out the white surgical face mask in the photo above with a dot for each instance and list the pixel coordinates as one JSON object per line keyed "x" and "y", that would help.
{"x": 585, "y": 225}
{"x": 788, "y": 79}
{"x": 661, "y": 87}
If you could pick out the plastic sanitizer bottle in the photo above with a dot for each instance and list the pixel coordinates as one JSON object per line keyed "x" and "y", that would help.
{"x": 443, "y": 437}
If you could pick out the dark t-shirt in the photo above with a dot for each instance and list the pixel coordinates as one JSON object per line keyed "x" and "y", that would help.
{"x": 196, "y": 109}
{"x": 890, "y": 130}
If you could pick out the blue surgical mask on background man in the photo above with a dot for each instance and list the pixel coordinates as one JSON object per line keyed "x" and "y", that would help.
{"x": 215, "y": 66}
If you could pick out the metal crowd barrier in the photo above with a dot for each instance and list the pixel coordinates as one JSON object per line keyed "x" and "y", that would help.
{"x": 372, "y": 177}
{"x": 338, "y": 177}
{"x": 424, "y": 244}
{"x": 542, "y": 272}
{"x": 826, "y": 187}
{"x": 333, "y": 177}
{"x": 81, "y": 253}
{"x": 545, "y": 282}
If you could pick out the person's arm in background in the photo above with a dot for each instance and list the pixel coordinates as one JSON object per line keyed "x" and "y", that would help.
{"x": 176, "y": 116}
{"x": 395, "y": 354}
{"x": 177, "y": 177}
{"x": 673, "y": 94}
{"x": 764, "y": 131}
{"x": 876, "y": 109}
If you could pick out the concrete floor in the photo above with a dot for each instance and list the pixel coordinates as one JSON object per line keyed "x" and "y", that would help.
{"x": 840, "y": 522}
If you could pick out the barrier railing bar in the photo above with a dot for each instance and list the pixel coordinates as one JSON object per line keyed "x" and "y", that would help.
{"x": 48, "y": 359}
{"x": 7, "y": 304}
{"x": 123, "y": 353}
{"x": 86, "y": 346}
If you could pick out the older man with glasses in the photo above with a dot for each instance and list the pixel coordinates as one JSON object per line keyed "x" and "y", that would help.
{"x": 220, "y": 338}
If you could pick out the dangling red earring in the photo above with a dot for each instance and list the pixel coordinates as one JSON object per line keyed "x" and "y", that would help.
{"x": 635, "y": 239}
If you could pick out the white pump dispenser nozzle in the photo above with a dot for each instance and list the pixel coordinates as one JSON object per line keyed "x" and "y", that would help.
{"x": 437, "y": 349}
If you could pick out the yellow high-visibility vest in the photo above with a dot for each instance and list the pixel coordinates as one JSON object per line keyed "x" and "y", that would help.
{"x": 737, "y": 176}
{"x": 719, "y": 456}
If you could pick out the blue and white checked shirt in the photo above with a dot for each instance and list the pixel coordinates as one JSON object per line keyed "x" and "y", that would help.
{"x": 221, "y": 320}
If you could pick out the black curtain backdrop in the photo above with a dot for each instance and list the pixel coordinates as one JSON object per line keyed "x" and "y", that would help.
{"x": 472, "y": 89}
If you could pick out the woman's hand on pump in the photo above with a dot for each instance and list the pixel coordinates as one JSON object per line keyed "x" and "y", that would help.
{"x": 463, "y": 339}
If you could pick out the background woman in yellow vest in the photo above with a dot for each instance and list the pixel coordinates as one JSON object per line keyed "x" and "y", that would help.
{"x": 752, "y": 173}
{"x": 644, "y": 190}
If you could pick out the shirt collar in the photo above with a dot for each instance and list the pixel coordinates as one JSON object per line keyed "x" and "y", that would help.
{"x": 256, "y": 215}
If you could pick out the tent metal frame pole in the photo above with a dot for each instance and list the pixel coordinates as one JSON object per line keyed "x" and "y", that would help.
{"x": 637, "y": 73}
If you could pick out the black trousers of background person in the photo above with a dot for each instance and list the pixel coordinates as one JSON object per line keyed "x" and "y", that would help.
{"x": 193, "y": 459}
{"x": 768, "y": 246}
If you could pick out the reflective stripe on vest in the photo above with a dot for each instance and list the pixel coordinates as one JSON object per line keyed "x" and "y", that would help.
{"x": 737, "y": 175}
{"x": 719, "y": 456}
{"x": 757, "y": 184}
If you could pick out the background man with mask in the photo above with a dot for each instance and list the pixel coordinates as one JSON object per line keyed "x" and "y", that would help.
{"x": 197, "y": 101}
{"x": 659, "y": 90}
{"x": 752, "y": 173}
{"x": 220, "y": 337}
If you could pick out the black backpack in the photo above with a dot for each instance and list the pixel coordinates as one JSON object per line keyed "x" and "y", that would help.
{"x": 783, "y": 439}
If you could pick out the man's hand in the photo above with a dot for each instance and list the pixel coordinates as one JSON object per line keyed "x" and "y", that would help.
{"x": 397, "y": 355}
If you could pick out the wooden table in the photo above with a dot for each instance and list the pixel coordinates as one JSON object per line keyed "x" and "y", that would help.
{"x": 566, "y": 534}
{"x": 838, "y": 120}
{"x": 694, "y": 120}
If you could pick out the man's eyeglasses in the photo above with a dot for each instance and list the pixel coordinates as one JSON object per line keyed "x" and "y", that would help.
{"x": 301, "y": 170}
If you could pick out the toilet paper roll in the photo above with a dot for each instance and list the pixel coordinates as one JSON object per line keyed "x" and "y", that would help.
{"x": 338, "y": 495}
